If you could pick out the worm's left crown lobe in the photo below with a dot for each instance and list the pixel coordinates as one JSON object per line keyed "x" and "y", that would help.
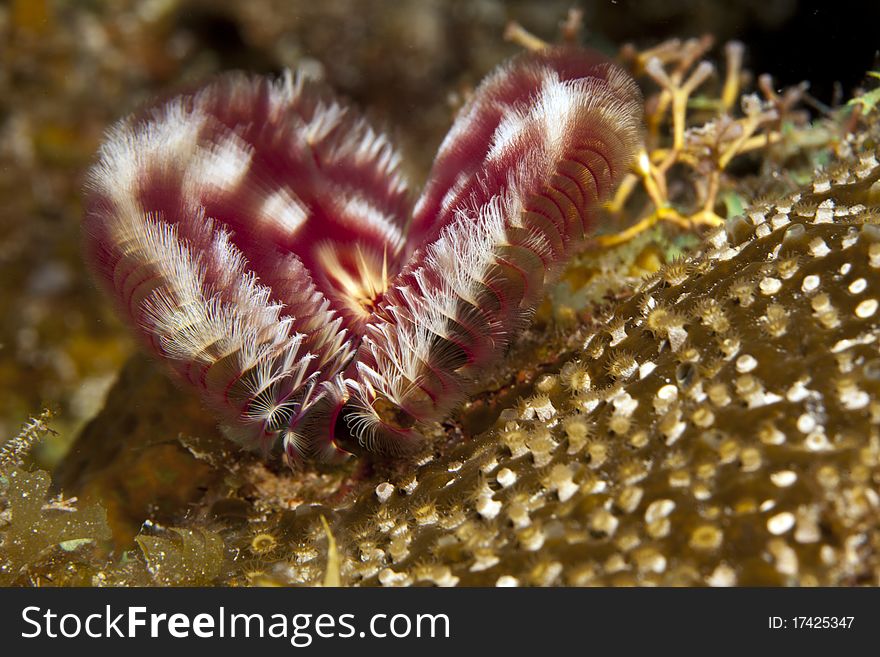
{"x": 213, "y": 221}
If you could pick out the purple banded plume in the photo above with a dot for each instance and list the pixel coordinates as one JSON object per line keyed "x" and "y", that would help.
{"x": 259, "y": 237}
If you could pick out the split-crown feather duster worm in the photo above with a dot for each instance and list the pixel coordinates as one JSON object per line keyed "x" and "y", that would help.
{"x": 260, "y": 238}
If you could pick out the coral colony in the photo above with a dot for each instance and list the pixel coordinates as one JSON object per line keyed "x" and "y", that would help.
{"x": 260, "y": 237}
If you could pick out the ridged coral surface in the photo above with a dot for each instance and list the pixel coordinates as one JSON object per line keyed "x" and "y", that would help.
{"x": 722, "y": 430}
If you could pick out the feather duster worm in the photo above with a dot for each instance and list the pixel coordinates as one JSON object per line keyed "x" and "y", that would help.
{"x": 261, "y": 240}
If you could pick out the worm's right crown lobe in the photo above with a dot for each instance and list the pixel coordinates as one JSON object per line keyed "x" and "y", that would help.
{"x": 533, "y": 107}
{"x": 509, "y": 199}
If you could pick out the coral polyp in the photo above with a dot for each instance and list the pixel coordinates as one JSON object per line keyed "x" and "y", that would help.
{"x": 260, "y": 237}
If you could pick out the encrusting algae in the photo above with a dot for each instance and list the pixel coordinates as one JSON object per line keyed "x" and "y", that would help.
{"x": 39, "y": 529}
{"x": 716, "y": 426}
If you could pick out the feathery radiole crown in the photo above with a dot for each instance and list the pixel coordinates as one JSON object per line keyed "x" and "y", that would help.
{"x": 259, "y": 236}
